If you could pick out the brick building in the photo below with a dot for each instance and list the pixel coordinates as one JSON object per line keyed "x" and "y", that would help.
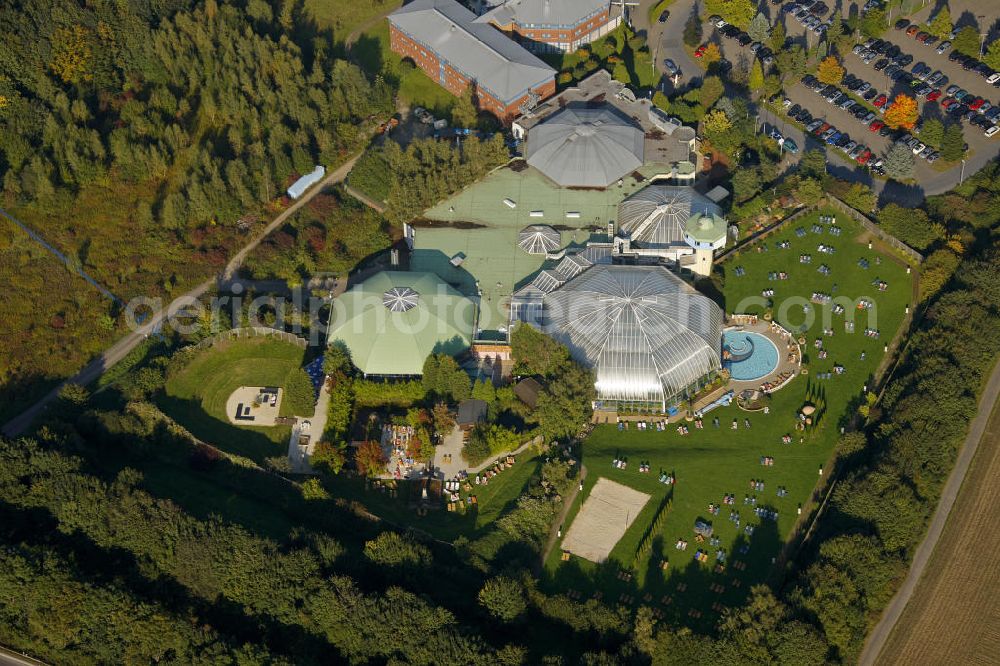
{"x": 444, "y": 39}
{"x": 549, "y": 26}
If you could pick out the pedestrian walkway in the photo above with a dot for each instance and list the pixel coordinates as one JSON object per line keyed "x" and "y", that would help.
{"x": 298, "y": 456}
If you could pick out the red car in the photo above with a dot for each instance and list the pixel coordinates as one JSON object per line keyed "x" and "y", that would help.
{"x": 912, "y": 30}
{"x": 948, "y": 101}
{"x": 922, "y": 37}
{"x": 876, "y": 125}
{"x": 880, "y": 101}
{"x": 822, "y": 128}
{"x": 976, "y": 103}
{"x": 700, "y": 51}
{"x": 864, "y": 157}
{"x": 933, "y": 95}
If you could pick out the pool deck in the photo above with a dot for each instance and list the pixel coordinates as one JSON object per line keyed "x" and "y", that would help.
{"x": 789, "y": 353}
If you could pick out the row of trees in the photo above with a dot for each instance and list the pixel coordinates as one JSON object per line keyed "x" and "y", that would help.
{"x": 428, "y": 170}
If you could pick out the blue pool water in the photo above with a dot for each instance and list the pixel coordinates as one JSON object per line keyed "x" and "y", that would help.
{"x": 753, "y": 355}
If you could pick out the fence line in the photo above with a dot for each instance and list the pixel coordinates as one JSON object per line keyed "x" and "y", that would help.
{"x": 856, "y": 215}
{"x": 252, "y": 332}
{"x": 870, "y": 226}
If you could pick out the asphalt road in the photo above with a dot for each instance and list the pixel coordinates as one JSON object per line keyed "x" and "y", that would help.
{"x": 878, "y": 636}
{"x": 930, "y": 180}
{"x": 125, "y": 345}
{"x": 666, "y": 39}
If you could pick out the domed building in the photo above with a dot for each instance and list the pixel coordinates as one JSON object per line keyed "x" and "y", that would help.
{"x": 394, "y": 320}
{"x": 656, "y": 216}
{"x": 648, "y": 335}
{"x": 584, "y": 146}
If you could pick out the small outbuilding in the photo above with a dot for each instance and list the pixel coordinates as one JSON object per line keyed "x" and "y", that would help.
{"x": 527, "y": 391}
{"x": 471, "y": 412}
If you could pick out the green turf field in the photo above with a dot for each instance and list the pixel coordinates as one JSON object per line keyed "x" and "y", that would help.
{"x": 712, "y": 462}
{"x": 196, "y": 396}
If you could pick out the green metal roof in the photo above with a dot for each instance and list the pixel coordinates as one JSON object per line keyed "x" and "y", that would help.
{"x": 706, "y": 228}
{"x": 490, "y": 248}
{"x": 394, "y": 320}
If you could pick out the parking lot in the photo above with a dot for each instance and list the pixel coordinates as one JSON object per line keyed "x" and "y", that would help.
{"x": 932, "y": 178}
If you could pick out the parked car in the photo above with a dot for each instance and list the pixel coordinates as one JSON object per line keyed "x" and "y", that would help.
{"x": 943, "y": 46}
{"x": 880, "y": 101}
{"x": 902, "y": 24}
{"x": 671, "y": 67}
{"x": 811, "y": 127}
{"x": 912, "y": 30}
{"x": 664, "y": 15}
{"x": 790, "y": 146}
{"x": 863, "y": 158}
{"x": 992, "y": 131}
{"x": 870, "y": 95}
{"x": 876, "y": 125}
{"x": 933, "y": 95}
{"x": 793, "y": 110}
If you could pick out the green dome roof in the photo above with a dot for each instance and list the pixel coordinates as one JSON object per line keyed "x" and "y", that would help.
{"x": 394, "y": 320}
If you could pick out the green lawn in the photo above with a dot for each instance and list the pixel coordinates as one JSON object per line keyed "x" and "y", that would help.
{"x": 196, "y": 396}
{"x": 344, "y": 16}
{"x": 712, "y": 462}
{"x": 372, "y": 52}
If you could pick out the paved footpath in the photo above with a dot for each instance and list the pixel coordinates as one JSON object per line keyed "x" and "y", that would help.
{"x": 880, "y": 634}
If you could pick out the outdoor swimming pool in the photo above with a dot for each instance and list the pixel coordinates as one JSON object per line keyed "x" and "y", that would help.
{"x": 751, "y": 355}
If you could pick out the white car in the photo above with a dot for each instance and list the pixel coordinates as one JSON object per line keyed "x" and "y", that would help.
{"x": 721, "y": 23}
{"x": 993, "y": 78}
{"x": 919, "y": 148}
{"x": 991, "y": 131}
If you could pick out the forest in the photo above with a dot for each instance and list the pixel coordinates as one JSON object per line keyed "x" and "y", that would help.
{"x": 145, "y": 140}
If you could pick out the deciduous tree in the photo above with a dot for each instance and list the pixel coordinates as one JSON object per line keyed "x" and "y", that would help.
{"x": 902, "y": 113}
{"x": 504, "y": 598}
{"x": 369, "y": 459}
{"x": 967, "y": 41}
{"x": 830, "y": 70}
{"x": 941, "y": 25}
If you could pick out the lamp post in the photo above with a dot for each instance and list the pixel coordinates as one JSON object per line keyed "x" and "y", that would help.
{"x": 961, "y": 177}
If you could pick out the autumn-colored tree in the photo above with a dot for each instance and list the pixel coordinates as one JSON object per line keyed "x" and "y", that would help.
{"x": 370, "y": 459}
{"x": 830, "y": 71}
{"x": 716, "y": 121}
{"x": 711, "y": 54}
{"x": 327, "y": 457}
{"x": 71, "y": 53}
{"x": 902, "y": 113}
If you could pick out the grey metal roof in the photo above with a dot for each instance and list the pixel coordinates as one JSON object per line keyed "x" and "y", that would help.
{"x": 583, "y": 146}
{"x": 539, "y": 239}
{"x": 647, "y": 333}
{"x": 544, "y": 12}
{"x": 480, "y": 51}
{"x": 656, "y": 216}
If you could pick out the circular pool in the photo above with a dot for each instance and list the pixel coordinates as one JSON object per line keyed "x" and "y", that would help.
{"x": 748, "y": 356}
